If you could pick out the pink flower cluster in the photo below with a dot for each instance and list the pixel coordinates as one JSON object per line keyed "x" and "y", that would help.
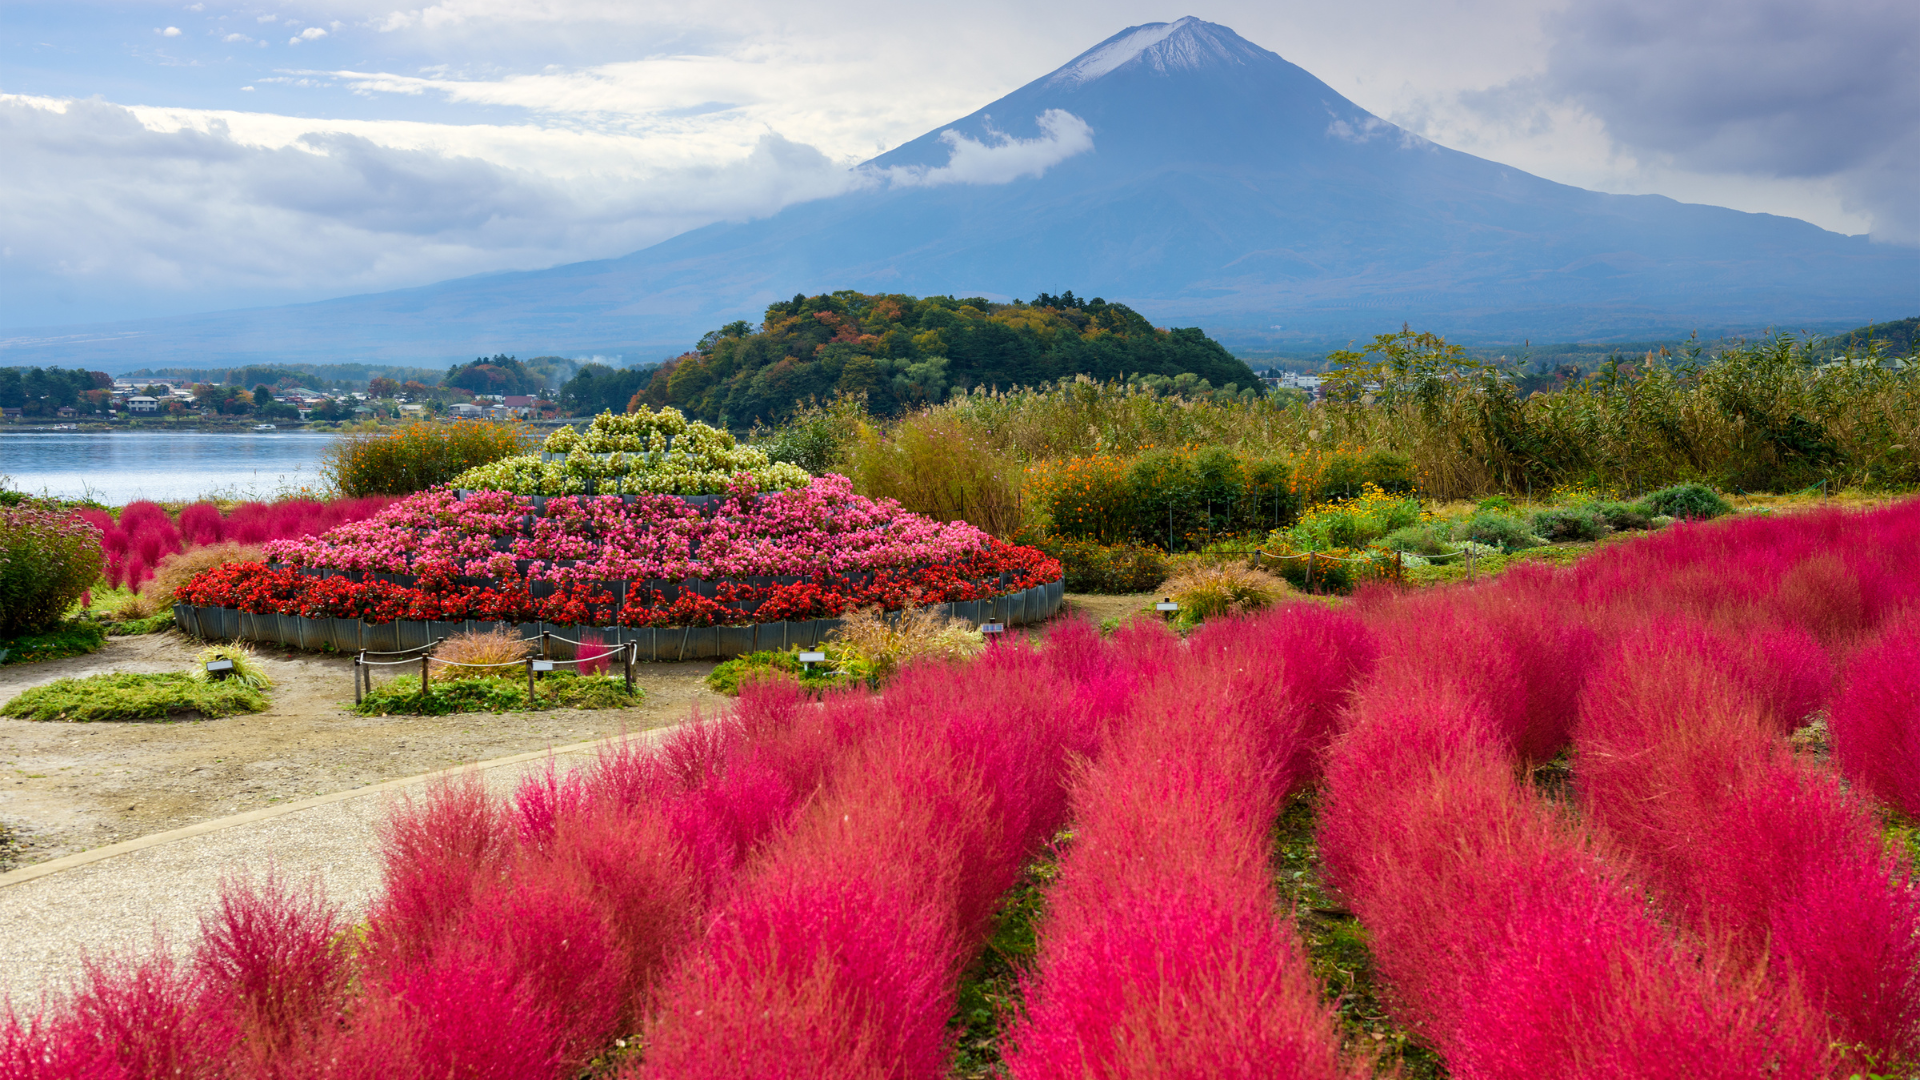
{"x": 821, "y": 528}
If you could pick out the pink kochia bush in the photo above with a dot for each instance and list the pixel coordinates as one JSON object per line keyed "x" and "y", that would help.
{"x": 1163, "y": 953}
{"x": 1875, "y": 721}
{"x": 1765, "y": 858}
{"x": 144, "y": 533}
{"x": 1510, "y": 942}
{"x": 839, "y": 955}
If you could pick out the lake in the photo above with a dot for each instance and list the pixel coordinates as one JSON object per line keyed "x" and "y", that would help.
{"x": 119, "y": 467}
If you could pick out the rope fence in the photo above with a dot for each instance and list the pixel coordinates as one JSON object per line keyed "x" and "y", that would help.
{"x": 628, "y": 653}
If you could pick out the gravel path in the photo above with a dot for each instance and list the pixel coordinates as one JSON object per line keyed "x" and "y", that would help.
{"x": 55, "y": 912}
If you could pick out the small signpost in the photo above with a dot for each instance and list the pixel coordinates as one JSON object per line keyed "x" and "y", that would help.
{"x": 808, "y": 659}
{"x": 543, "y": 665}
{"x": 992, "y": 628}
{"x": 1167, "y": 606}
{"x": 219, "y": 669}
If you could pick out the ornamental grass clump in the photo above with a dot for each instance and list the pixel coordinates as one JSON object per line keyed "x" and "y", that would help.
{"x": 1208, "y": 590}
{"x": 48, "y": 558}
{"x": 479, "y": 654}
{"x": 891, "y": 642}
{"x": 247, "y": 670}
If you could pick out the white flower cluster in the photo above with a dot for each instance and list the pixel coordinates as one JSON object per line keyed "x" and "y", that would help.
{"x": 638, "y": 453}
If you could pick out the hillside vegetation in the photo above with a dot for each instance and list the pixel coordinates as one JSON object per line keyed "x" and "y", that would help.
{"x": 1409, "y": 413}
{"x": 902, "y": 352}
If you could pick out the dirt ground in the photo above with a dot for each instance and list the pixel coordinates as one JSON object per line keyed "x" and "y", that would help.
{"x": 68, "y": 787}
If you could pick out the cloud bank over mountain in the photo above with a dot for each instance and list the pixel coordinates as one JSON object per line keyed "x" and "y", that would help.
{"x": 578, "y": 129}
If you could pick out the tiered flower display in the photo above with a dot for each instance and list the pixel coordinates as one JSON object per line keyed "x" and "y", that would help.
{"x": 639, "y": 560}
{"x": 642, "y": 452}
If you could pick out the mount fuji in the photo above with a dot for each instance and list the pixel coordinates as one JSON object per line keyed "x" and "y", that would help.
{"x": 1176, "y": 167}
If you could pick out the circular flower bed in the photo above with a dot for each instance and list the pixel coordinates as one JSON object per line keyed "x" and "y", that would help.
{"x": 635, "y": 453}
{"x": 640, "y": 560}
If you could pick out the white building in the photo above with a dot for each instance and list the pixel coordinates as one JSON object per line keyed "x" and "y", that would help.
{"x": 140, "y": 404}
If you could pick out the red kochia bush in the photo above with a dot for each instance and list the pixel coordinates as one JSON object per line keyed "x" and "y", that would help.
{"x": 838, "y": 956}
{"x": 1875, "y": 722}
{"x": 1506, "y": 939}
{"x": 1162, "y": 952}
{"x": 1764, "y": 857}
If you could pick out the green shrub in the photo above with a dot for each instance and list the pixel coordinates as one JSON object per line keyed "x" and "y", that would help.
{"x": 817, "y": 437}
{"x": 133, "y": 697}
{"x": 843, "y": 667}
{"x": 76, "y": 638}
{"x": 1093, "y": 567}
{"x": 1496, "y": 502}
{"x": 413, "y": 457}
{"x": 1427, "y": 539}
{"x": 1686, "y": 502}
{"x": 1623, "y": 516}
{"x": 401, "y": 695}
{"x": 1504, "y": 531}
{"x": 1571, "y": 523}
{"x": 48, "y": 558}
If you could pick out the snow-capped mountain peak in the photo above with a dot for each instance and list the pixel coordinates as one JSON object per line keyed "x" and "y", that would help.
{"x": 1185, "y": 43}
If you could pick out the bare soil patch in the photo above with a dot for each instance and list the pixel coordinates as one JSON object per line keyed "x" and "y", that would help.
{"x": 69, "y": 787}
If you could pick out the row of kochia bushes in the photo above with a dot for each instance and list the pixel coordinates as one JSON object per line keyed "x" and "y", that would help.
{"x": 796, "y": 887}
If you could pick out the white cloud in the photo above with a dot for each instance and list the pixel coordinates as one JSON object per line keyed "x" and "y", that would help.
{"x": 268, "y": 18}
{"x": 171, "y": 31}
{"x": 196, "y": 7}
{"x": 1004, "y": 159}
{"x": 220, "y": 207}
{"x": 311, "y": 33}
{"x": 231, "y": 38}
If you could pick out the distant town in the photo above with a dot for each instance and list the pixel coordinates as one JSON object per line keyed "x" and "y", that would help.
{"x": 74, "y": 396}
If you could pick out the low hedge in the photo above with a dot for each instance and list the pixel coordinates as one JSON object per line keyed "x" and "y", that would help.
{"x": 126, "y": 696}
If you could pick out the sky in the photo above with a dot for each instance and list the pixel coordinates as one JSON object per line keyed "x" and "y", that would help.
{"x": 162, "y": 158}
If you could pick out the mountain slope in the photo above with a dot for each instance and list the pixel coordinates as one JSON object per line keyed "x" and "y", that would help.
{"x": 1223, "y": 186}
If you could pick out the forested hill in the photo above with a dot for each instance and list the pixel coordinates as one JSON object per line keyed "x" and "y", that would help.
{"x": 904, "y": 352}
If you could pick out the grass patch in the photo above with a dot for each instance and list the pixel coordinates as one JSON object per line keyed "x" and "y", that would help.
{"x": 133, "y": 697}
{"x": 560, "y": 690}
{"x": 1338, "y": 951}
{"x": 76, "y": 638}
{"x": 154, "y": 624}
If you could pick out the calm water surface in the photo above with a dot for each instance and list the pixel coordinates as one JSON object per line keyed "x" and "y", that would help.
{"x": 119, "y": 467}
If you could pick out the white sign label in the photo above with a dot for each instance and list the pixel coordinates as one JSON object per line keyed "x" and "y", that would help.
{"x": 219, "y": 666}
{"x": 543, "y": 665}
{"x": 1166, "y": 606}
{"x": 812, "y": 657}
{"x": 992, "y": 628}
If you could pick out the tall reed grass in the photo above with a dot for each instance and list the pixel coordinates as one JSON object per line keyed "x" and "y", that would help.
{"x": 412, "y": 457}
